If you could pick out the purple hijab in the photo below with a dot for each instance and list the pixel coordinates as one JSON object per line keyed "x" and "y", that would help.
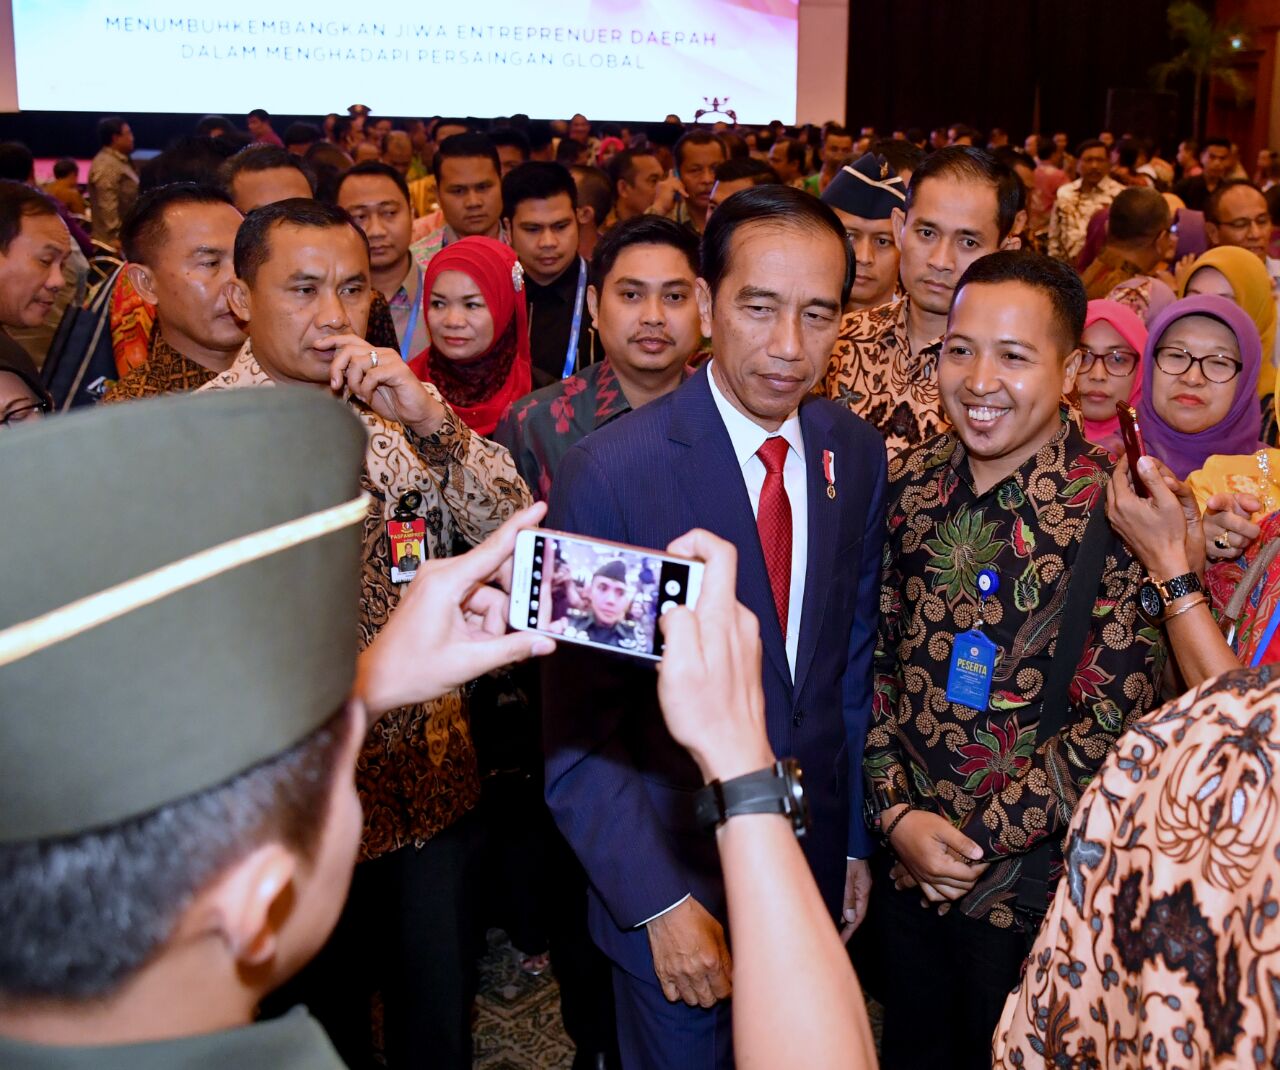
{"x": 1239, "y": 431}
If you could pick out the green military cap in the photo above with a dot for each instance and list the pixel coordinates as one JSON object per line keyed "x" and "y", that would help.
{"x": 613, "y": 570}
{"x": 181, "y": 588}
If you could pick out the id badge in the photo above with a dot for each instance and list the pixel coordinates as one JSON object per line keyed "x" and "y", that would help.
{"x": 407, "y": 538}
{"x": 973, "y": 660}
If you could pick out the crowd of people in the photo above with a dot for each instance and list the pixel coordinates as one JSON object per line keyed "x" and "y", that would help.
{"x": 881, "y": 383}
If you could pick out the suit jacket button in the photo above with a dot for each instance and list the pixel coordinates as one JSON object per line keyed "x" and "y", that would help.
{"x": 797, "y": 718}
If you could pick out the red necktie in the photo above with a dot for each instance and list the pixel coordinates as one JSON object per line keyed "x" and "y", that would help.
{"x": 773, "y": 522}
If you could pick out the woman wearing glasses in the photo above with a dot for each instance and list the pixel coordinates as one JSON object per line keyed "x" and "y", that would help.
{"x": 1113, "y": 340}
{"x": 22, "y": 397}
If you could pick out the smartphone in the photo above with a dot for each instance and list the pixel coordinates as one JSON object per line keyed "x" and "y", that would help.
{"x": 1134, "y": 447}
{"x": 597, "y": 593}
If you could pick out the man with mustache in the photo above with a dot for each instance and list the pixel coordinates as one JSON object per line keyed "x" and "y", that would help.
{"x": 643, "y": 301}
{"x": 962, "y": 204}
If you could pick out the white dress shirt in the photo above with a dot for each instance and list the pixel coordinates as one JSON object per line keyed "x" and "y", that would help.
{"x": 747, "y": 437}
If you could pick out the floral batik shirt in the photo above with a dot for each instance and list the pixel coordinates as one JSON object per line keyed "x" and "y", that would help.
{"x": 876, "y": 376}
{"x": 1162, "y": 948}
{"x": 981, "y": 769}
{"x": 165, "y": 371}
{"x": 416, "y": 772}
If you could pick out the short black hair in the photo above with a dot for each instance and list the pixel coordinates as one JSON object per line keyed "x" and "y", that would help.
{"x": 1056, "y": 280}
{"x": 18, "y": 201}
{"x": 836, "y": 130}
{"x": 259, "y": 113}
{"x": 736, "y": 170}
{"x": 1214, "y": 201}
{"x": 206, "y": 126}
{"x": 65, "y": 167}
{"x": 84, "y": 913}
{"x": 375, "y": 167}
{"x": 1138, "y": 214}
{"x": 772, "y": 205}
{"x": 465, "y": 146}
{"x": 537, "y": 180}
{"x": 108, "y": 127}
{"x": 253, "y": 239}
{"x": 262, "y": 158}
{"x": 967, "y": 163}
{"x": 1045, "y": 148}
{"x": 594, "y": 191}
{"x": 540, "y": 134}
{"x": 569, "y": 150}
{"x": 695, "y": 138}
{"x": 188, "y": 159}
{"x": 901, "y": 155}
{"x": 144, "y": 229}
{"x": 1216, "y": 142}
{"x": 1127, "y": 151}
{"x": 622, "y": 166}
{"x": 16, "y": 161}
{"x": 642, "y": 230}
{"x": 793, "y": 150}
{"x": 511, "y": 138}
{"x": 302, "y": 134}
{"x": 1090, "y": 143}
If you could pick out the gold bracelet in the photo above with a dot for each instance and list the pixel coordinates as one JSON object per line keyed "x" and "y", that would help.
{"x": 1199, "y": 600}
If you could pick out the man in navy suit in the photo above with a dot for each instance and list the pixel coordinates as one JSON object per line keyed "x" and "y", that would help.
{"x": 797, "y": 483}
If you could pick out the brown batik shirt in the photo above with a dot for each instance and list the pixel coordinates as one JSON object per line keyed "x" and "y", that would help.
{"x": 165, "y": 371}
{"x": 981, "y": 769}
{"x": 875, "y": 374}
{"x": 417, "y": 770}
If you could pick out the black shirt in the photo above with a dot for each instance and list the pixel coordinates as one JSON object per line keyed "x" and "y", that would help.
{"x": 1194, "y": 192}
{"x": 550, "y": 323}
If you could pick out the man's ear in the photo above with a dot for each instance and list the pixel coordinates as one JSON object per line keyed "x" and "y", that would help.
{"x": 898, "y": 220}
{"x": 142, "y": 282}
{"x": 1211, "y": 232}
{"x": 1013, "y": 240}
{"x": 586, "y": 214}
{"x": 238, "y": 299}
{"x": 593, "y": 306}
{"x": 1070, "y": 370}
{"x": 250, "y": 903}
{"x": 702, "y": 295}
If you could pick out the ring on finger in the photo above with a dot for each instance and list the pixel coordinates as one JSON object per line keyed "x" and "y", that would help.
{"x": 1223, "y": 541}
{"x": 373, "y": 358}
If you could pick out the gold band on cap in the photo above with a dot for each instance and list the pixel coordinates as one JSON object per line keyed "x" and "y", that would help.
{"x": 31, "y": 636}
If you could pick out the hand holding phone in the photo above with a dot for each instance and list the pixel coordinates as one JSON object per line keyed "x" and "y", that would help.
{"x": 598, "y": 593}
{"x": 1134, "y": 447}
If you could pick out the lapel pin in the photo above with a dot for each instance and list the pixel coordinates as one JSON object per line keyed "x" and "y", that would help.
{"x": 829, "y": 471}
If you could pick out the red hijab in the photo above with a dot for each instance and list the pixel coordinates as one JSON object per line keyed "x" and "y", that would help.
{"x": 481, "y": 388}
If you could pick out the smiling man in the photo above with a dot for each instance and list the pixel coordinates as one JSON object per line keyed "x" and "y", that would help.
{"x": 179, "y": 243}
{"x": 988, "y": 525}
{"x": 302, "y": 286}
{"x": 962, "y": 204}
{"x": 34, "y": 244}
{"x": 796, "y": 483}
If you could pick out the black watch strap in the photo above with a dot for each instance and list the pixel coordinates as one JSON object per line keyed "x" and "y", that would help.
{"x": 1179, "y": 587}
{"x": 777, "y": 789}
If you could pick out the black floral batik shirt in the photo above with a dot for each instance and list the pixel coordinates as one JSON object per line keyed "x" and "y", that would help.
{"x": 981, "y": 769}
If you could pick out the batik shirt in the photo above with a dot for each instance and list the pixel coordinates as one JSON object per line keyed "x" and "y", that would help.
{"x": 982, "y": 771}
{"x": 875, "y": 374}
{"x": 416, "y": 772}
{"x": 165, "y": 371}
{"x": 542, "y": 427}
{"x": 1162, "y": 948}
{"x": 1072, "y": 210}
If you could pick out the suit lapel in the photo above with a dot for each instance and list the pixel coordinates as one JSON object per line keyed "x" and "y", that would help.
{"x": 824, "y": 527}
{"x": 711, "y": 480}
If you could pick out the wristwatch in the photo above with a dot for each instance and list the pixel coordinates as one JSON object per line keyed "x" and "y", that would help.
{"x": 1154, "y": 597}
{"x": 778, "y": 789}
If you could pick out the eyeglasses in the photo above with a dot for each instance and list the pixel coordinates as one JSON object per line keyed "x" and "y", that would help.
{"x": 1216, "y": 367}
{"x": 1262, "y": 222}
{"x": 25, "y": 413}
{"x": 1115, "y": 362}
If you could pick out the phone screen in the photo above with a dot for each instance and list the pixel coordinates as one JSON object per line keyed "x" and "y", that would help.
{"x": 1134, "y": 447}
{"x": 597, "y": 593}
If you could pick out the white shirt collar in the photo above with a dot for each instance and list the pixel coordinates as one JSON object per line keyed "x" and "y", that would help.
{"x": 745, "y": 434}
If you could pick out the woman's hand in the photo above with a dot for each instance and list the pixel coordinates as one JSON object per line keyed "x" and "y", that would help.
{"x": 1228, "y": 528}
{"x": 1164, "y": 531}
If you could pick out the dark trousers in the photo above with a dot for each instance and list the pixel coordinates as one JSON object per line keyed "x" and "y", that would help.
{"x": 408, "y": 932}
{"x": 655, "y": 1034}
{"x": 943, "y": 980}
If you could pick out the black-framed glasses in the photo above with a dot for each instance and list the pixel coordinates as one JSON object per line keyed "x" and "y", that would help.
{"x": 24, "y": 413}
{"x": 1216, "y": 367}
{"x": 1114, "y": 362}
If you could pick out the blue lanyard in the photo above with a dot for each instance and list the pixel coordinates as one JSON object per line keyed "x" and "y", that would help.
{"x": 407, "y": 341}
{"x": 571, "y": 356}
{"x": 1267, "y": 636}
